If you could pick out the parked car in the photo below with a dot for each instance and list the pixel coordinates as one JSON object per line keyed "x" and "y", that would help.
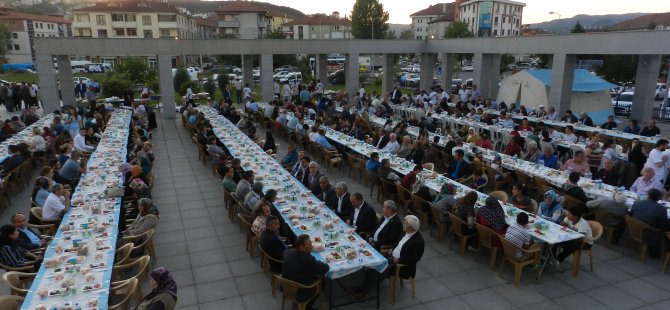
{"x": 467, "y": 68}
{"x": 280, "y": 75}
{"x": 661, "y": 91}
{"x": 410, "y": 79}
{"x": 293, "y": 77}
{"x": 287, "y": 68}
{"x": 76, "y": 80}
{"x": 337, "y": 78}
{"x": 623, "y": 103}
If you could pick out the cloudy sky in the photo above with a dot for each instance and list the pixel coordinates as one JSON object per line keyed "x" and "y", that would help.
{"x": 535, "y": 10}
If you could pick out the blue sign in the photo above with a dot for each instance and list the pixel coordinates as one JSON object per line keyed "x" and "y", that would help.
{"x": 485, "y": 21}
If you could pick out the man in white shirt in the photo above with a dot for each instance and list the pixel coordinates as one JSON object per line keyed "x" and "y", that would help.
{"x": 361, "y": 92}
{"x": 319, "y": 90}
{"x": 56, "y": 203}
{"x": 390, "y": 229}
{"x": 80, "y": 142}
{"x": 393, "y": 146}
{"x": 247, "y": 92}
{"x": 286, "y": 91}
{"x": 276, "y": 88}
{"x": 464, "y": 94}
{"x": 657, "y": 160}
{"x": 569, "y": 135}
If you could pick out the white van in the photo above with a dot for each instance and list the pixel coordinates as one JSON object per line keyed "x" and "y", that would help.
{"x": 79, "y": 66}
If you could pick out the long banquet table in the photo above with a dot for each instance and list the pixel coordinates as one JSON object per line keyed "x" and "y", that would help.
{"x": 24, "y": 134}
{"x": 344, "y": 250}
{"x": 77, "y": 268}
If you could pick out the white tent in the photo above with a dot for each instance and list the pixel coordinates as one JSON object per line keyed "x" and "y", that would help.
{"x": 531, "y": 88}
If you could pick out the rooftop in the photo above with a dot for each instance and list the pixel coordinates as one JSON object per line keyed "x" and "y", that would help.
{"x": 320, "y": 19}
{"x": 7, "y": 13}
{"x": 130, "y": 6}
{"x": 241, "y": 7}
{"x": 435, "y": 9}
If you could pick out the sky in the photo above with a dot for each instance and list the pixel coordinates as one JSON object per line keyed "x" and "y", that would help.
{"x": 534, "y": 12}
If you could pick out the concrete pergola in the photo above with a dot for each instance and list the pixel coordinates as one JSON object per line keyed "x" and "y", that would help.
{"x": 649, "y": 46}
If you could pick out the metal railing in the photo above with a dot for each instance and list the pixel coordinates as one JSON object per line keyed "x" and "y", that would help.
{"x": 661, "y": 114}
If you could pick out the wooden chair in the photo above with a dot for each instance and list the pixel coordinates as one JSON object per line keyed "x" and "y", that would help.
{"x": 404, "y": 198}
{"x": 636, "y": 229}
{"x": 604, "y": 217}
{"x": 356, "y": 164}
{"x": 457, "y": 229}
{"x": 265, "y": 264}
{"x": 122, "y": 254}
{"x": 18, "y": 282}
{"x": 28, "y": 268}
{"x": 437, "y": 224}
{"x": 597, "y": 231}
{"x": 122, "y": 292}
{"x": 667, "y": 255}
{"x": 533, "y": 256}
{"x": 138, "y": 269}
{"x": 429, "y": 166}
{"x": 331, "y": 158}
{"x": 371, "y": 178}
{"x": 11, "y": 302}
{"x": 37, "y": 213}
{"x": 245, "y": 226}
{"x": 387, "y": 189}
{"x": 419, "y": 204}
{"x": 394, "y": 279}
{"x": 523, "y": 178}
{"x": 487, "y": 238}
{"x": 290, "y": 289}
{"x": 500, "y": 195}
{"x": 48, "y": 230}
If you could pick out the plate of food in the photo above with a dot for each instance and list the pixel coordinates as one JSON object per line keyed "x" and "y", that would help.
{"x": 351, "y": 238}
{"x": 98, "y": 265}
{"x": 336, "y": 256}
{"x": 303, "y": 227}
{"x": 367, "y": 253}
{"x": 285, "y": 210}
{"x": 91, "y": 287}
{"x": 58, "y": 292}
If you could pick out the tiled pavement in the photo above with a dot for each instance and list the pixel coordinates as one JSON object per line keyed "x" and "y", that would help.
{"x": 205, "y": 253}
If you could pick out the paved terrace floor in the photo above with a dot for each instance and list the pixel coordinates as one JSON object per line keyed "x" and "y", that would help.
{"x": 205, "y": 253}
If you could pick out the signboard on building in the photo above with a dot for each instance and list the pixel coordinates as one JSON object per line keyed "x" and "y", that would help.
{"x": 485, "y": 23}
{"x": 95, "y": 68}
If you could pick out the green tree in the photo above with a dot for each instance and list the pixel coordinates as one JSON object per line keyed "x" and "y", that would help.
{"x": 406, "y": 34}
{"x": 505, "y": 61}
{"x": 180, "y": 77}
{"x": 115, "y": 84}
{"x": 5, "y": 40}
{"x": 578, "y": 28}
{"x": 391, "y": 35}
{"x": 210, "y": 86}
{"x": 458, "y": 29}
{"x": 136, "y": 70}
{"x": 620, "y": 69}
{"x": 275, "y": 34}
{"x": 222, "y": 81}
{"x": 368, "y": 16}
{"x": 194, "y": 85}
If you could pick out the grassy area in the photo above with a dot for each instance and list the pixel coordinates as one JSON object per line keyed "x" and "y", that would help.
{"x": 32, "y": 77}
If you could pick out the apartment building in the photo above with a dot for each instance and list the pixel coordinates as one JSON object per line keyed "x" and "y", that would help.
{"x": 26, "y": 27}
{"x": 318, "y": 26}
{"x": 243, "y": 20}
{"x": 500, "y": 18}
{"x": 421, "y": 20}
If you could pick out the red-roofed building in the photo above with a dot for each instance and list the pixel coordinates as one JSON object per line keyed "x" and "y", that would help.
{"x": 243, "y": 20}
{"x": 421, "y": 20}
{"x": 318, "y": 26}
{"x": 25, "y": 27}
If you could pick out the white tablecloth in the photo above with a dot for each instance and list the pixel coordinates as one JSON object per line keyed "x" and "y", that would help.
{"x": 24, "y": 134}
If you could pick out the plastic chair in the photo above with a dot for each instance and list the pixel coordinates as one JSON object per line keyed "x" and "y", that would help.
{"x": 419, "y": 204}
{"x": 667, "y": 256}
{"x": 37, "y": 213}
{"x": 265, "y": 264}
{"x": 122, "y": 254}
{"x": 141, "y": 243}
{"x": 457, "y": 229}
{"x": 636, "y": 229}
{"x": 603, "y": 217}
{"x": 441, "y": 227}
{"x": 245, "y": 226}
{"x": 404, "y": 197}
{"x": 394, "y": 278}
{"x": 124, "y": 291}
{"x": 11, "y": 302}
{"x": 500, "y": 195}
{"x": 533, "y": 256}
{"x": 372, "y": 178}
{"x": 597, "y": 231}
{"x": 290, "y": 289}
{"x": 135, "y": 270}
{"x": 18, "y": 282}
{"x": 486, "y": 238}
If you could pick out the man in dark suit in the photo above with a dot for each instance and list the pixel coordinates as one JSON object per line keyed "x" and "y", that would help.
{"x": 458, "y": 168}
{"x": 14, "y": 160}
{"x": 341, "y": 201}
{"x": 363, "y": 217}
{"x": 396, "y": 95}
{"x": 381, "y": 141}
{"x": 302, "y": 170}
{"x": 326, "y": 191}
{"x": 389, "y": 230}
{"x": 407, "y": 251}
{"x": 311, "y": 181}
{"x": 271, "y": 244}
{"x": 300, "y": 266}
{"x": 28, "y": 238}
{"x": 653, "y": 214}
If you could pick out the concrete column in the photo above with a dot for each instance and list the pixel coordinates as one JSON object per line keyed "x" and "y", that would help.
{"x": 248, "y": 69}
{"x": 389, "y": 73}
{"x": 491, "y": 90}
{"x": 480, "y": 69}
{"x": 352, "y": 83}
{"x": 266, "y": 78}
{"x": 562, "y": 76}
{"x": 48, "y": 84}
{"x": 427, "y": 70}
{"x": 447, "y": 71}
{"x": 322, "y": 68}
{"x": 648, "y": 68}
{"x": 166, "y": 83}
{"x": 65, "y": 73}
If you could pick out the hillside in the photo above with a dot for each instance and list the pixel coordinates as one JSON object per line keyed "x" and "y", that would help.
{"x": 588, "y": 21}
{"x": 203, "y": 7}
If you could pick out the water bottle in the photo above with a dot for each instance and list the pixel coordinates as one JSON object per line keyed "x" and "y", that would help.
{"x": 588, "y": 175}
{"x": 622, "y": 188}
{"x": 515, "y": 158}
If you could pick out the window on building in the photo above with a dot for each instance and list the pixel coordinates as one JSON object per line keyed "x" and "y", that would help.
{"x": 82, "y": 18}
{"x": 148, "y": 34}
{"x": 131, "y": 32}
{"x": 495, "y": 32}
{"x": 15, "y": 35}
{"x": 167, "y": 18}
{"x": 100, "y": 20}
{"x": 495, "y": 21}
{"x": 119, "y": 32}
{"x": 504, "y": 20}
{"x": 165, "y": 32}
{"x": 9, "y": 47}
{"x": 146, "y": 20}
{"x": 130, "y": 17}
{"x": 337, "y": 27}
{"x": 117, "y": 17}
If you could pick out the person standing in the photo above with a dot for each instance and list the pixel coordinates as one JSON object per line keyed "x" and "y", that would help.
{"x": 238, "y": 89}
{"x": 319, "y": 90}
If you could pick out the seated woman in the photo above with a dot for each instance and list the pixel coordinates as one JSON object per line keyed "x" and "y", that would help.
{"x": 465, "y": 210}
{"x": 147, "y": 218}
{"x": 519, "y": 198}
{"x": 477, "y": 180}
{"x": 406, "y": 147}
{"x": 262, "y": 214}
{"x": 550, "y": 208}
{"x": 492, "y": 216}
{"x": 11, "y": 254}
{"x": 163, "y": 295}
{"x": 445, "y": 201}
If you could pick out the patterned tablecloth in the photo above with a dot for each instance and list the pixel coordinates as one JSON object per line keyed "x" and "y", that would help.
{"x": 77, "y": 265}
{"x": 344, "y": 250}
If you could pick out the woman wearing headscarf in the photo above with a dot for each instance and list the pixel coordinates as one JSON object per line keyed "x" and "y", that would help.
{"x": 163, "y": 295}
{"x": 550, "y": 208}
{"x": 492, "y": 216}
{"x": 445, "y": 201}
{"x": 465, "y": 206}
{"x": 11, "y": 254}
{"x": 147, "y": 218}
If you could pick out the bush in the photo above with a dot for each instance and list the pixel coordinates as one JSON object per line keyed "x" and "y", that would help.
{"x": 210, "y": 87}
{"x": 194, "y": 85}
{"x": 180, "y": 77}
{"x": 115, "y": 84}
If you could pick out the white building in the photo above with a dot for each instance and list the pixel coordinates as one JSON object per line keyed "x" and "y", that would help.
{"x": 318, "y": 26}
{"x": 421, "y": 19}
{"x": 243, "y": 20}
{"x": 499, "y": 18}
{"x": 26, "y": 27}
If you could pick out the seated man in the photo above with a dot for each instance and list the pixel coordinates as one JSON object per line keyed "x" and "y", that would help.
{"x": 608, "y": 174}
{"x": 301, "y": 267}
{"x": 341, "y": 202}
{"x": 272, "y": 244}
{"x": 80, "y": 142}
{"x": 326, "y": 191}
{"x": 28, "y": 239}
{"x": 389, "y": 230}
{"x": 653, "y": 214}
{"x": 57, "y": 203}
{"x": 646, "y": 182}
{"x": 73, "y": 169}
{"x": 392, "y": 146}
{"x": 253, "y": 197}
{"x": 291, "y": 156}
{"x": 322, "y": 141}
{"x": 14, "y": 160}
{"x": 363, "y": 217}
{"x": 577, "y": 164}
{"x": 244, "y": 186}
{"x": 575, "y": 221}
{"x": 572, "y": 189}
{"x": 458, "y": 168}
{"x": 373, "y": 163}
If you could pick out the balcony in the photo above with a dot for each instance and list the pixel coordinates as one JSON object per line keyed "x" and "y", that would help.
{"x": 229, "y": 24}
